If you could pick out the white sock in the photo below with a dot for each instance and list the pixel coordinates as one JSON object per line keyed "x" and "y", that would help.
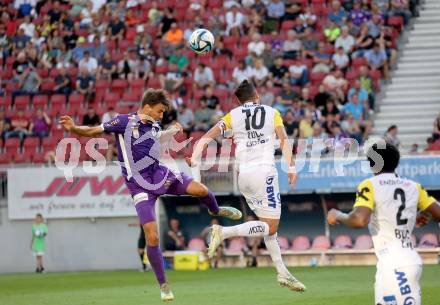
{"x": 275, "y": 253}
{"x": 247, "y": 229}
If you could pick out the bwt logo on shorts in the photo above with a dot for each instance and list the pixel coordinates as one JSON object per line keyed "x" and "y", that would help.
{"x": 390, "y": 300}
{"x": 403, "y": 286}
{"x": 270, "y": 192}
{"x": 256, "y": 230}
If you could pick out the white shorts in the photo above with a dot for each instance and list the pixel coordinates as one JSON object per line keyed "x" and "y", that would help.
{"x": 38, "y": 253}
{"x": 261, "y": 190}
{"x": 398, "y": 286}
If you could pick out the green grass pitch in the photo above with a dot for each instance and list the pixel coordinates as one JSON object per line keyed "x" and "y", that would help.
{"x": 326, "y": 286}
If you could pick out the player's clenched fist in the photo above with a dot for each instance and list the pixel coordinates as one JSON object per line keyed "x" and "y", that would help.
{"x": 67, "y": 122}
{"x": 332, "y": 217}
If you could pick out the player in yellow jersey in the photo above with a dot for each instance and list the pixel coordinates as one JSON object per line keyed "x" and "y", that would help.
{"x": 389, "y": 205}
{"x": 255, "y": 128}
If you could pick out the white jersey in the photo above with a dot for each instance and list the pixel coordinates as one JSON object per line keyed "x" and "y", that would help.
{"x": 253, "y": 128}
{"x": 394, "y": 201}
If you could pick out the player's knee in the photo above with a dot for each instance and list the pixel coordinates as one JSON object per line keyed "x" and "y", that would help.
{"x": 273, "y": 229}
{"x": 152, "y": 238}
{"x": 200, "y": 190}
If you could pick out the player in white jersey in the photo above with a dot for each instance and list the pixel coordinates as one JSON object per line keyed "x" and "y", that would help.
{"x": 389, "y": 205}
{"x": 254, "y": 129}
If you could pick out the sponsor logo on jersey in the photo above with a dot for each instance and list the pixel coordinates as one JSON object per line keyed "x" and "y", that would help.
{"x": 256, "y": 230}
{"x": 403, "y": 283}
{"x": 390, "y": 300}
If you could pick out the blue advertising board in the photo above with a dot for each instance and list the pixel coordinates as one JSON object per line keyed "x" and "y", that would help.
{"x": 343, "y": 175}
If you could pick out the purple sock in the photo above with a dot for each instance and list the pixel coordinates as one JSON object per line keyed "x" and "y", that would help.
{"x": 210, "y": 202}
{"x": 156, "y": 261}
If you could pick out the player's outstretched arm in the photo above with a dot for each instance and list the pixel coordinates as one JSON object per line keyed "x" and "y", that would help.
{"x": 432, "y": 212}
{"x": 286, "y": 148}
{"x": 213, "y": 133}
{"x": 358, "y": 218}
{"x": 84, "y": 131}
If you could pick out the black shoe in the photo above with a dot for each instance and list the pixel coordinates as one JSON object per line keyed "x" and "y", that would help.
{"x": 42, "y": 270}
{"x": 38, "y": 270}
{"x": 254, "y": 262}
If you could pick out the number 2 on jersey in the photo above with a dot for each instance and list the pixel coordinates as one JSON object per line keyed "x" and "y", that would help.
{"x": 400, "y": 193}
{"x": 258, "y": 110}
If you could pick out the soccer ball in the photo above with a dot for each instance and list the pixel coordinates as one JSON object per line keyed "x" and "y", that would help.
{"x": 201, "y": 41}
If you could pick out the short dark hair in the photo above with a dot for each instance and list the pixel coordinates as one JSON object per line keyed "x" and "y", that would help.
{"x": 391, "y": 128}
{"x": 390, "y": 156}
{"x": 153, "y": 97}
{"x": 245, "y": 91}
{"x": 39, "y": 215}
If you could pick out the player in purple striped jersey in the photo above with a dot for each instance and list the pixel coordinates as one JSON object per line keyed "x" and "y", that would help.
{"x": 139, "y": 138}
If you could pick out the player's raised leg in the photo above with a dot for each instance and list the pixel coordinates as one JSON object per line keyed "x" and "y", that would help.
{"x": 186, "y": 185}
{"x": 145, "y": 210}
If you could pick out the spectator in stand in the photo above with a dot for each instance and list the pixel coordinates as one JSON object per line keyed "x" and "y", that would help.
{"x": 154, "y": 14}
{"x": 5, "y": 123}
{"x": 298, "y": 74}
{"x": 299, "y": 28}
{"x": 203, "y": 77}
{"x": 98, "y": 49}
{"x": 278, "y": 72}
{"x": 321, "y": 60}
{"x": 28, "y": 27}
{"x": 357, "y": 110}
{"x": 432, "y": 145}
{"x": 270, "y": 53}
{"x": 363, "y": 43}
{"x": 401, "y": 8}
{"x": 4, "y": 44}
{"x": 358, "y": 15}
{"x": 19, "y": 126}
{"x": 292, "y": 11}
{"x": 436, "y": 129}
{"x": 241, "y": 72}
{"x": 338, "y": 13}
{"x": 374, "y": 26}
{"x": 28, "y": 82}
{"x": 345, "y": 40}
{"x": 19, "y": 41}
{"x": 352, "y": 127}
{"x": 174, "y": 35}
{"x": 361, "y": 92}
{"x": 175, "y": 238}
{"x": 86, "y": 15}
{"x": 89, "y": 63}
{"x": 291, "y": 125}
{"x": 209, "y": 98}
{"x": 306, "y": 126}
{"x": 390, "y": 136}
{"x": 366, "y": 83}
{"x": 85, "y": 84}
{"x": 127, "y": 66}
{"x": 292, "y": 46}
{"x": 414, "y": 150}
{"x": 331, "y": 109}
{"x": 328, "y": 122}
{"x": 143, "y": 68}
{"x": 63, "y": 82}
{"x": 287, "y": 94}
{"x": 321, "y": 98}
{"x": 332, "y": 32}
{"x": 203, "y": 117}
{"x": 386, "y": 40}
{"x": 19, "y": 65}
{"x": 109, "y": 115}
{"x": 377, "y": 59}
{"x": 185, "y": 117}
{"x": 340, "y": 60}
{"x": 254, "y": 22}
{"x": 276, "y": 9}
{"x": 116, "y": 27}
{"x": 235, "y": 20}
{"x": 173, "y": 80}
{"x": 308, "y": 18}
{"x": 275, "y": 45}
{"x": 131, "y": 19}
{"x": 256, "y": 45}
{"x": 40, "y": 124}
{"x": 55, "y": 12}
{"x": 260, "y": 73}
{"x": 25, "y": 7}
{"x": 107, "y": 69}
{"x": 91, "y": 118}
{"x": 166, "y": 21}
{"x": 305, "y": 97}
{"x": 310, "y": 43}
{"x": 180, "y": 59}
{"x": 70, "y": 39}
{"x": 267, "y": 97}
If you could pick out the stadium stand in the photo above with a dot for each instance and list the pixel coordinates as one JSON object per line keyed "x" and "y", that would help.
{"x": 53, "y": 46}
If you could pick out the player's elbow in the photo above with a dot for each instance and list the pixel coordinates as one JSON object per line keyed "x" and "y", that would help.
{"x": 359, "y": 221}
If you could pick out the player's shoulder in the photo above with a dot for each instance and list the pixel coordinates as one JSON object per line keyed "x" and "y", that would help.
{"x": 366, "y": 183}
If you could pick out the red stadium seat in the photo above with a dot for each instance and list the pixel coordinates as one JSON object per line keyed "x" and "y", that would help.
{"x": 358, "y": 62}
{"x": 321, "y": 242}
{"x": 40, "y": 101}
{"x": 215, "y": 4}
{"x": 131, "y": 97}
{"x": 119, "y": 86}
{"x": 12, "y": 144}
{"x": 300, "y": 243}
{"x": 197, "y": 244}
{"x": 363, "y": 242}
{"x": 283, "y": 242}
{"x": 237, "y": 244}
{"x": 38, "y": 157}
{"x": 111, "y": 99}
{"x": 31, "y": 143}
{"x": 5, "y": 101}
{"x": 22, "y": 101}
{"x": 47, "y": 86}
{"x": 58, "y": 99}
{"x": 428, "y": 240}
{"x": 76, "y": 100}
{"x": 137, "y": 84}
{"x": 351, "y": 75}
{"x": 396, "y": 22}
{"x": 22, "y": 158}
{"x": 343, "y": 242}
{"x": 316, "y": 78}
{"x": 287, "y": 25}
